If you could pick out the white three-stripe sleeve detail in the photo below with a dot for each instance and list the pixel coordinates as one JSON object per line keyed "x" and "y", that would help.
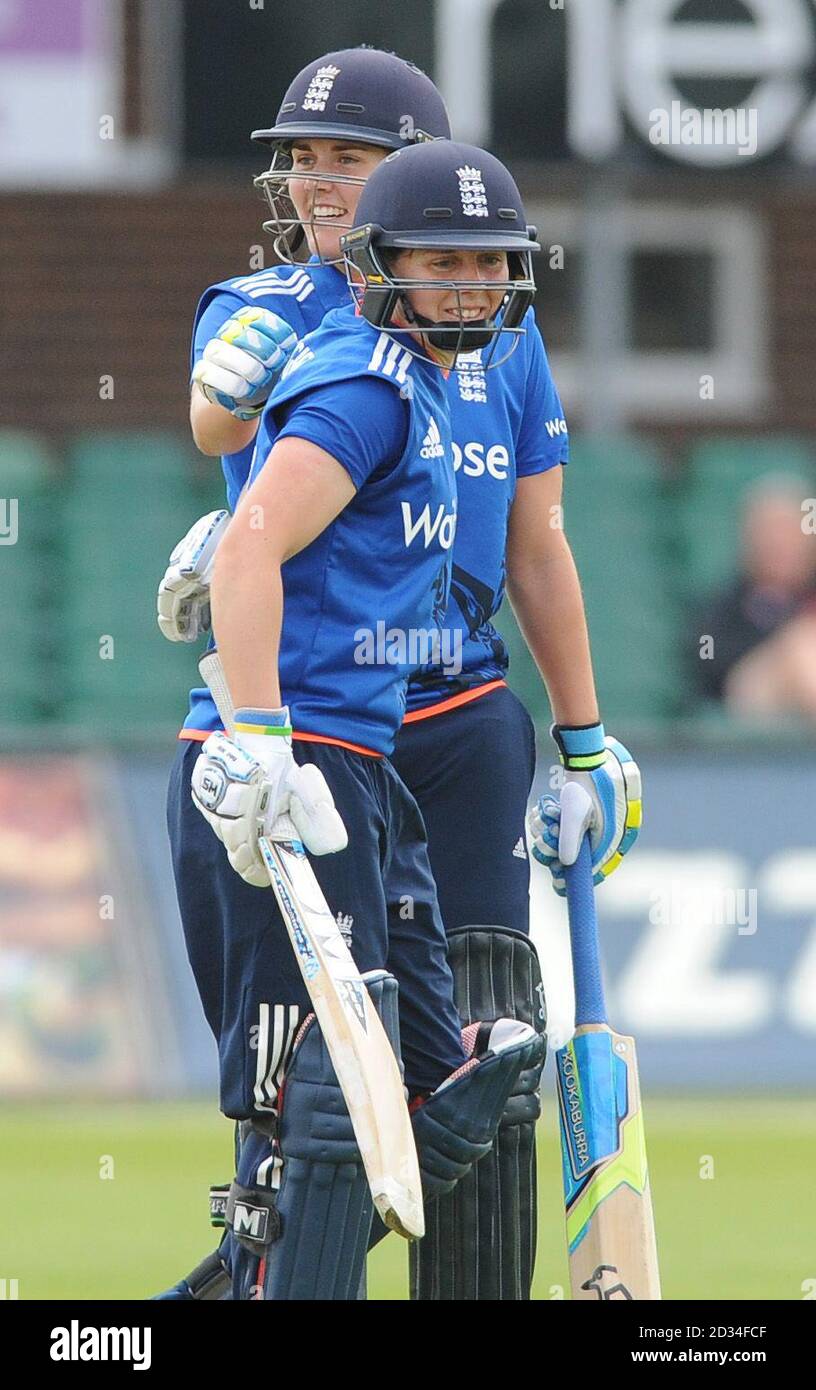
{"x": 270, "y": 1172}
{"x": 272, "y": 283}
{"x": 300, "y": 292}
{"x": 391, "y": 359}
{"x": 378, "y": 353}
{"x": 261, "y": 1059}
{"x": 274, "y": 1051}
{"x": 285, "y": 1023}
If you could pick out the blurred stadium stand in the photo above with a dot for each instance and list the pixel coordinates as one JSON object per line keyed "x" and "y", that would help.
{"x": 96, "y": 518}
{"x": 718, "y": 474}
{"x": 100, "y": 515}
{"x": 644, "y": 557}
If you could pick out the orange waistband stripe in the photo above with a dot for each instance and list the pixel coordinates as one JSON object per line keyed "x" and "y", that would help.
{"x": 443, "y": 706}
{"x": 338, "y": 743}
{"x": 201, "y": 736}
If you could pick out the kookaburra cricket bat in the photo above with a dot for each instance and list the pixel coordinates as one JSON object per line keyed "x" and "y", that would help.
{"x": 610, "y": 1226}
{"x": 358, "y": 1045}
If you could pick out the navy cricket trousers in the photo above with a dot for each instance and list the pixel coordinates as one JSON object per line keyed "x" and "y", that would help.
{"x": 380, "y": 887}
{"x": 470, "y": 771}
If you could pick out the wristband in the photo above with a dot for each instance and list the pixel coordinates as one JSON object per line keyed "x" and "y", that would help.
{"x": 581, "y": 747}
{"x": 273, "y": 723}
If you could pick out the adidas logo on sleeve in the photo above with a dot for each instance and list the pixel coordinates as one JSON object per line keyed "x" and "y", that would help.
{"x": 432, "y": 446}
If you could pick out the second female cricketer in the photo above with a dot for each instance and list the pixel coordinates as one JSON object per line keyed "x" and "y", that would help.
{"x": 466, "y": 746}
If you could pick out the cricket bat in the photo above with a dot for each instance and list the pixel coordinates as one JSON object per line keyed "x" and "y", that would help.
{"x": 358, "y": 1045}
{"x": 610, "y": 1226}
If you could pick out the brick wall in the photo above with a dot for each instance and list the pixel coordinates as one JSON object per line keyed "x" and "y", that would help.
{"x": 106, "y": 285}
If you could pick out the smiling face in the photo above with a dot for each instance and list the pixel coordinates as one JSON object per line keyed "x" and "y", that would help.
{"x": 449, "y": 304}
{"x": 323, "y": 201}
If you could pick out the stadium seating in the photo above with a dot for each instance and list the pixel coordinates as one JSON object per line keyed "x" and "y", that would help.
{"x": 28, "y": 577}
{"x": 128, "y": 499}
{"x": 96, "y": 528}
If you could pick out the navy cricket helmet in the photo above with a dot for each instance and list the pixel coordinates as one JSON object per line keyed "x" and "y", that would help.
{"x": 364, "y": 95}
{"x": 444, "y": 195}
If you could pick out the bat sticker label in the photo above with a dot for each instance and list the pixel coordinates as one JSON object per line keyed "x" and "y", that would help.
{"x": 351, "y": 992}
{"x": 592, "y": 1095}
{"x": 606, "y": 1292}
{"x": 602, "y": 1148}
{"x": 303, "y": 946}
{"x": 574, "y": 1117}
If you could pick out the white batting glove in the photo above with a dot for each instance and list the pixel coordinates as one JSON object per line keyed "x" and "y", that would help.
{"x": 242, "y": 363}
{"x": 183, "y": 599}
{"x": 243, "y": 785}
{"x": 611, "y": 812}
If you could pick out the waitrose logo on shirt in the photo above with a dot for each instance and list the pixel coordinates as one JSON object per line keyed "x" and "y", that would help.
{"x": 439, "y": 526}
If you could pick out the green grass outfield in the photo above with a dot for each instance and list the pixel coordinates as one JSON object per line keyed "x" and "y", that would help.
{"x": 748, "y": 1232}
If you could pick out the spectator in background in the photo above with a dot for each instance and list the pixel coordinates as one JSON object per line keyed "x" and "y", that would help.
{"x": 763, "y": 657}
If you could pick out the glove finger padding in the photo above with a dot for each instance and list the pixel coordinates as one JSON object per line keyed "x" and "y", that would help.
{"x": 183, "y": 613}
{"x": 243, "y": 786}
{"x": 214, "y": 379}
{"x": 573, "y": 824}
{"x": 183, "y": 600}
{"x": 544, "y": 820}
{"x": 241, "y": 364}
{"x": 612, "y": 817}
{"x": 228, "y": 786}
{"x": 234, "y": 361}
{"x": 313, "y": 812}
{"x": 247, "y": 862}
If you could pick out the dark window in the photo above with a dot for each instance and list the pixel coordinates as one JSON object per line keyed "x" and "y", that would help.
{"x": 672, "y": 300}
{"x": 557, "y": 300}
{"x": 238, "y": 61}
{"x": 529, "y": 81}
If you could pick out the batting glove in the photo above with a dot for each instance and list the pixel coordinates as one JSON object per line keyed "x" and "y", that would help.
{"x": 610, "y": 775}
{"x": 243, "y": 785}
{"x": 184, "y": 594}
{"x": 242, "y": 363}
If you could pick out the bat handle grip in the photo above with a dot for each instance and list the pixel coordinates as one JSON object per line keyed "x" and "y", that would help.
{"x": 590, "y": 1005}
{"x": 284, "y": 829}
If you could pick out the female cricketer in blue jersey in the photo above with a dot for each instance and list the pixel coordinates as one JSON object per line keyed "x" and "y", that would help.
{"x": 349, "y": 517}
{"x": 466, "y": 748}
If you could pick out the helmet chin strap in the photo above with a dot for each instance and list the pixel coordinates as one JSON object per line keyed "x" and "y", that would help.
{"x": 451, "y": 339}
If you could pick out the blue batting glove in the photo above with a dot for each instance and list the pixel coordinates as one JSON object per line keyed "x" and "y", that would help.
{"x": 610, "y": 775}
{"x": 242, "y": 363}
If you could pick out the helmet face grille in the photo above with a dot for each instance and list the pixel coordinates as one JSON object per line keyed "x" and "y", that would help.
{"x": 295, "y": 237}
{"x": 445, "y": 196}
{"x": 379, "y": 293}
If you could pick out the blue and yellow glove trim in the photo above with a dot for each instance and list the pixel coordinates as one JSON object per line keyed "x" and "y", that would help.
{"x": 272, "y": 723}
{"x": 580, "y": 746}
